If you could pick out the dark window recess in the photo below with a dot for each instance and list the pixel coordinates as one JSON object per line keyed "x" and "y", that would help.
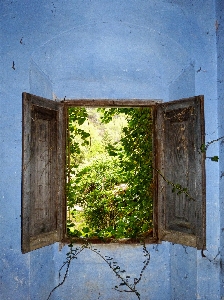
{"x": 178, "y": 162}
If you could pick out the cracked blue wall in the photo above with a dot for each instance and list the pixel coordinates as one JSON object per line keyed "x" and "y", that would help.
{"x": 114, "y": 49}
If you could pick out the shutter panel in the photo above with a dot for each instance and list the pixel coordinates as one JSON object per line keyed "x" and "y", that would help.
{"x": 179, "y": 134}
{"x": 43, "y": 173}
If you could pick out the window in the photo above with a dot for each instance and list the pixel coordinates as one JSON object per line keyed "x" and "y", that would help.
{"x": 109, "y": 182}
{"x": 179, "y": 173}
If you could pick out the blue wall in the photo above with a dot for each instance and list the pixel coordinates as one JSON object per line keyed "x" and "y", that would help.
{"x": 220, "y": 90}
{"x": 110, "y": 49}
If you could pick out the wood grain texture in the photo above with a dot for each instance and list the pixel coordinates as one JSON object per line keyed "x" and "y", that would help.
{"x": 111, "y": 102}
{"x": 43, "y": 199}
{"x": 179, "y": 134}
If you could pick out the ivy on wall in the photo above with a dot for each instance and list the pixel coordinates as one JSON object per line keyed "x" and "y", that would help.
{"x": 126, "y": 282}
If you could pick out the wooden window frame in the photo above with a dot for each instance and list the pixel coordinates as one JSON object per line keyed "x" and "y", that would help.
{"x": 160, "y": 110}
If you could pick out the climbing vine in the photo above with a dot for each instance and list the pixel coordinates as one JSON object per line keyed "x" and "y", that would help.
{"x": 103, "y": 187}
{"x": 204, "y": 148}
{"x": 112, "y": 183}
{"x": 127, "y": 284}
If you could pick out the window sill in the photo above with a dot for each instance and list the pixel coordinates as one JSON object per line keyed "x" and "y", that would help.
{"x": 150, "y": 239}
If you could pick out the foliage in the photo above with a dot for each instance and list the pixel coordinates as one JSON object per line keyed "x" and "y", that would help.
{"x": 204, "y": 148}
{"x": 135, "y": 157}
{"x": 95, "y": 185}
{"x": 110, "y": 179}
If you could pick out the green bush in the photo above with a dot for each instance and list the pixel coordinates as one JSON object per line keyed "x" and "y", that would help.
{"x": 114, "y": 185}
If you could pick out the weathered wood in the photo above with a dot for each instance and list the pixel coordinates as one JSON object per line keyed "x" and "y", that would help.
{"x": 111, "y": 103}
{"x": 43, "y": 199}
{"x": 97, "y": 240}
{"x": 179, "y": 135}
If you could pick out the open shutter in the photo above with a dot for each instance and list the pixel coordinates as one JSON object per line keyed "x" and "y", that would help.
{"x": 180, "y": 171}
{"x": 43, "y": 172}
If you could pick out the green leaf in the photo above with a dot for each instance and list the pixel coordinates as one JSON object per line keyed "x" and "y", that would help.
{"x": 215, "y": 158}
{"x": 85, "y": 229}
{"x": 203, "y": 148}
{"x": 70, "y": 225}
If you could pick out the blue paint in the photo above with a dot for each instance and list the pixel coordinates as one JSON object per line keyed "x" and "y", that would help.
{"x": 165, "y": 49}
{"x": 220, "y": 90}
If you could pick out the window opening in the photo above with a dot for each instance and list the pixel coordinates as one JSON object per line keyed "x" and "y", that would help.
{"x": 109, "y": 183}
{"x": 178, "y": 184}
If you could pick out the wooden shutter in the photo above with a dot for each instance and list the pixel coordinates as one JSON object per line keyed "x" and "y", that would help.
{"x": 179, "y": 135}
{"x": 43, "y": 173}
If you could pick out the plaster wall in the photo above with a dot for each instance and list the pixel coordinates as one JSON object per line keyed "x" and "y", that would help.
{"x": 109, "y": 49}
{"x": 220, "y": 90}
